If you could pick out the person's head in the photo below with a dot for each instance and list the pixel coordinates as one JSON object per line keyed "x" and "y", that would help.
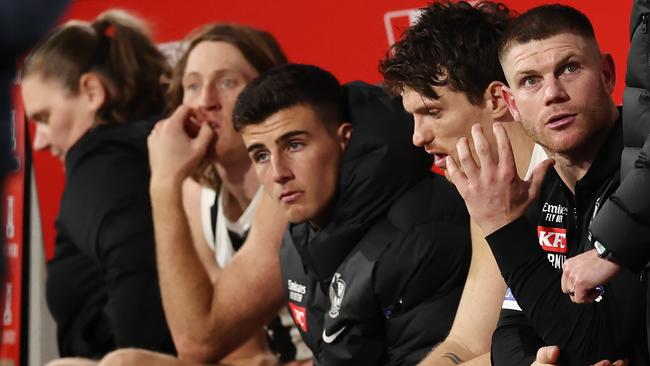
{"x": 86, "y": 74}
{"x": 220, "y": 60}
{"x": 559, "y": 83}
{"x": 446, "y": 68}
{"x": 292, "y": 124}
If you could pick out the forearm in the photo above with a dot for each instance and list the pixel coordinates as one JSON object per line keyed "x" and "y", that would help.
{"x": 451, "y": 352}
{"x": 584, "y": 332}
{"x": 185, "y": 286}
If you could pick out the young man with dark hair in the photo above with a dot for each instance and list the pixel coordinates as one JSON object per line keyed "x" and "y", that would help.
{"x": 376, "y": 252}
{"x": 560, "y": 90}
{"x": 447, "y": 69}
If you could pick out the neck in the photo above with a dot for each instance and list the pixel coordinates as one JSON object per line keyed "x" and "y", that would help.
{"x": 571, "y": 166}
{"x": 240, "y": 184}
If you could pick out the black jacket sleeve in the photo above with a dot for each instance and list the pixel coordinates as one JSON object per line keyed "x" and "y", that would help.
{"x": 623, "y": 224}
{"x": 514, "y": 341}
{"x": 114, "y": 226}
{"x": 585, "y": 333}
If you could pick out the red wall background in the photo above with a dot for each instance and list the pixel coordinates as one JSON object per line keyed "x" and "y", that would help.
{"x": 346, "y": 38}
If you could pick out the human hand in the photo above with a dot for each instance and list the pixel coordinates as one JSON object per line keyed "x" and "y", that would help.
{"x": 493, "y": 192}
{"x": 583, "y": 273}
{"x": 176, "y": 145}
{"x": 547, "y": 356}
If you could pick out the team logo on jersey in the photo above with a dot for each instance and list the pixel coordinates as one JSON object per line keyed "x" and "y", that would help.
{"x": 552, "y": 239}
{"x": 337, "y": 290}
{"x": 299, "y": 315}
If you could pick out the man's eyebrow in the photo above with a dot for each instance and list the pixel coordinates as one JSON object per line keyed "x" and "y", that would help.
{"x": 559, "y": 64}
{"x": 216, "y": 73}
{"x": 254, "y": 147}
{"x": 287, "y": 136}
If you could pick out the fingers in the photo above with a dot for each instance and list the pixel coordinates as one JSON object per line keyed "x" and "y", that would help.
{"x": 547, "y": 355}
{"x": 603, "y": 363}
{"x": 455, "y": 175}
{"x": 482, "y": 147}
{"x": 504, "y": 148}
{"x": 566, "y": 272}
{"x": 466, "y": 159}
{"x": 204, "y": 136}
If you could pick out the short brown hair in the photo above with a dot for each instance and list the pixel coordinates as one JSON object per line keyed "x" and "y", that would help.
{"x": 118, "y": 47}
{"x": 544, "y": 22}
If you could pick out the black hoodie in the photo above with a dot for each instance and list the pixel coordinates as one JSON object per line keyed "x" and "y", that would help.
{"x": 102, "y": 284}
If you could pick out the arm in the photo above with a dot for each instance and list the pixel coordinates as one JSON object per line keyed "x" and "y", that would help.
{"x": 497, "y": 199}
{"x": 604, "y": 330}
{"x": 210, "y": 319}
{"x": 191, "y": 206}
{"x": 469, "y": 339}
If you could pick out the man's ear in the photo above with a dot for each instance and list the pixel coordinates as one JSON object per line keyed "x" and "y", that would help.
{"x": 509, "y": 99}
{"x": 494, "y": 96}
{"x": 92, "y": 89}
{"x": 344, "y": 133}
{"x": 608, "y": 72}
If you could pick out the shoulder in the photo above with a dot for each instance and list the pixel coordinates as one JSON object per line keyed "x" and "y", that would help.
{"x": 106, "y": 170}
{"x": 431, "y": 246}
{"x": 432, "y": 200}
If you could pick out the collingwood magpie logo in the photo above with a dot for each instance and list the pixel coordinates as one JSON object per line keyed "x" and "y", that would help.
{"x": 337, "y": 290}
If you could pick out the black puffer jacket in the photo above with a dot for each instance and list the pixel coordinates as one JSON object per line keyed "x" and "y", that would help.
{"x": 380, "y": 283}
{"x": 623, "y": 224}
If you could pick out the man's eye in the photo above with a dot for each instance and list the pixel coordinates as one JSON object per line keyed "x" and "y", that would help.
{"x": 295, "y": 145}
{"x": 571, "y": 68}
{"x": 191, "y": 87}
{"x": 227, "y": 84}
{"x": 529, "y": 81}
{"x": 435, "y": 112}
{"x": 260, "y": 157}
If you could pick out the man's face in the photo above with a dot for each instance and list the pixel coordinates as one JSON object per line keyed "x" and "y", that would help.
{"x": 297, "y": 157}
{"x": 560, "y": 90}
{"x": 439, "y": 123}
{"x": 215, "y": 73}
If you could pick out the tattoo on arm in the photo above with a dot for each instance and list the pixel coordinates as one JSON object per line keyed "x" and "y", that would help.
{"x": 455, "y": 359}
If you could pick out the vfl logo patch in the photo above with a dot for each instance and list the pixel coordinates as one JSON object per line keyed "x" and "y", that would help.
{"x": 299, "y": 315}
{"x": 337, "y": 290}
{"x": 552, "y": 239}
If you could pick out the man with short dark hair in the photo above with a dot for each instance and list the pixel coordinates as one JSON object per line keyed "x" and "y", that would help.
{"x": 560, "y": 90}
{"x": 377, "y": 249}
{"x": 446, "y": 67}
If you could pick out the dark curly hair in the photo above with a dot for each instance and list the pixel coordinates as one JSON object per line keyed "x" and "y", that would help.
{"x": 452, "y": 44}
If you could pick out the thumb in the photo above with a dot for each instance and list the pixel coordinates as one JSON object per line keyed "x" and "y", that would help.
{"x": 548, "y": 354}
{"x": 537, "y": 177}
{"x": 204, "y": 136}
